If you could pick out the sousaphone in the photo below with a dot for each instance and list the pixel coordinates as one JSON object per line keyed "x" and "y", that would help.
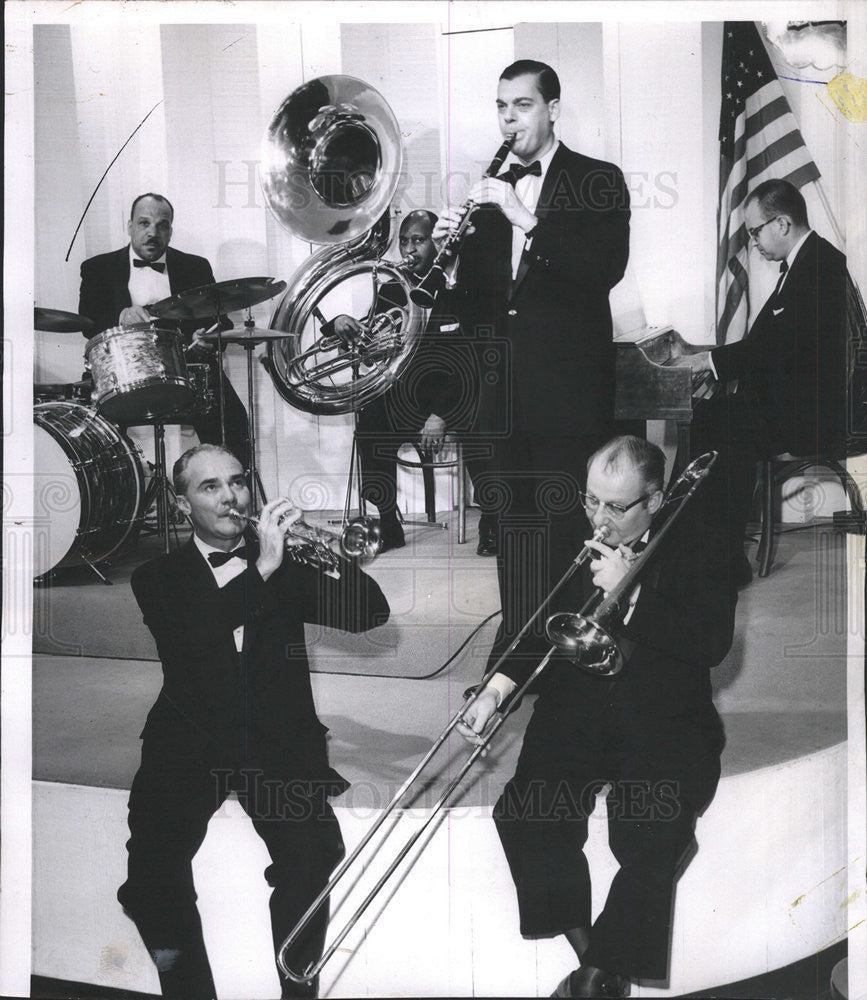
{"x": 330, "y": 166}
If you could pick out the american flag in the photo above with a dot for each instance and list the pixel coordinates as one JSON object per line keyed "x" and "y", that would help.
{"x": 759, "y": 140}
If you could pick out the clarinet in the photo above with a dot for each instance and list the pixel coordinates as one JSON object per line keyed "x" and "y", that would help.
{"x": 434, "y": 281}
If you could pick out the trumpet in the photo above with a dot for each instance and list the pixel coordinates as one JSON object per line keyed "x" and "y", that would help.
{"x": 602, "y": 663}
{"x": 433, "y": 282}
{"x": 361, "y": 539}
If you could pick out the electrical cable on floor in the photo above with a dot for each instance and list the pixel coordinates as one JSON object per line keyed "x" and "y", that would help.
{"x": 439, "y": 669}
{"x": 462, "y": 646}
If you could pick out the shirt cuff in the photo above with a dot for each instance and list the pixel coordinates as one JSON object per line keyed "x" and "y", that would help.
{"x": 502, "y": 686}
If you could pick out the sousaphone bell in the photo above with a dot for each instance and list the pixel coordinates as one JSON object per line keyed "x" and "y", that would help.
{"x": 330, "y": 166}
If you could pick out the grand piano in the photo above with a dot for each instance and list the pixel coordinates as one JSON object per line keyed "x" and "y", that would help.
{"x": 650, "y": 387}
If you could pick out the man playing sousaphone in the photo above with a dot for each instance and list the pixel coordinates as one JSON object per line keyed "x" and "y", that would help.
{"x": 651, "y": 731}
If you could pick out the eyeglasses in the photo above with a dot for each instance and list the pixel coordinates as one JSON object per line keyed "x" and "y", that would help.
{"x": 591, "y": 504}
{"x": 754, "y": 233}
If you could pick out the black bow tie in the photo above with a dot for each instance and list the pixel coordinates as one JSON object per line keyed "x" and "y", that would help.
{"x": 221, "y": 558}
{"x": 638, "y": 547}
{"x": 157, "y": 265}
{"x": 518, "y": 170}
{"x": 784, "y": 267}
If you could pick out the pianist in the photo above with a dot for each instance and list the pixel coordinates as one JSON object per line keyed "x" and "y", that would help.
{"x": 790, "y": 367}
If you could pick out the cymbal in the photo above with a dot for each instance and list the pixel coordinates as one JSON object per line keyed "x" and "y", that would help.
{"x": 219, "y": 297}
{"x": 58, "y": 321}
{"x": 249, "y": 335}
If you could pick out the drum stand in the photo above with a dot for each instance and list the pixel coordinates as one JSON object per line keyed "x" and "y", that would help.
{"x": 160, "y": 492}
{"x": 249, "y": 344}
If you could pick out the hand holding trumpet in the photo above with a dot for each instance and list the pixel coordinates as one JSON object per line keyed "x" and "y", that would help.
{"x": 274, "y": 521}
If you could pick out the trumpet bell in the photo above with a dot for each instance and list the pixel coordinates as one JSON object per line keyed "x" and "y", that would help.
{"x": 362, "y": 539}
{"x": 585, "y": 642}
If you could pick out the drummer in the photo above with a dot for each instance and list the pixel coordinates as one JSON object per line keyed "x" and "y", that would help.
{"x": 117, "y": 287}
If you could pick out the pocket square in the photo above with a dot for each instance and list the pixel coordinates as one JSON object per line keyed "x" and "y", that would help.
{"x": 776, "y": 312}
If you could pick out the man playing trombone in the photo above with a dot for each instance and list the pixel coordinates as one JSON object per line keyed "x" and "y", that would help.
{"x": 651, "y": 733}
{"x": 235, "y": 713}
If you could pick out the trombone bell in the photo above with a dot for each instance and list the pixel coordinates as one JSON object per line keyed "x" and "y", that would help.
{"x": 585, "y": 642}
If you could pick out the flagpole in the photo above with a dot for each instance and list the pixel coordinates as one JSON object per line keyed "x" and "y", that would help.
{"x": 841, "y": 241}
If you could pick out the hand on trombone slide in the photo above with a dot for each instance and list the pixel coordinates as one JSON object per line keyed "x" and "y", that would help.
{"x": 477, "y": 717}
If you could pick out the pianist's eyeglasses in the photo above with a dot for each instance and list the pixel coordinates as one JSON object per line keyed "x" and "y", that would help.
{"x": 591, "y": 504}
{"x": 754, "y": 232}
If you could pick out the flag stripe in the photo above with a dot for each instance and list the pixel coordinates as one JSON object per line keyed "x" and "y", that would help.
{"x": 759, "y": 139}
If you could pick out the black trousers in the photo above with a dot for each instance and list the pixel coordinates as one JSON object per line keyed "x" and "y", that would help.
{"x": 739, "y": 429}
{"x": 571, "y": 750}
{"x": 177, "y": 789}
{"x": 378, "y": 436}
{"x": 208, "y": 426}
{"x": 533, "y": 486}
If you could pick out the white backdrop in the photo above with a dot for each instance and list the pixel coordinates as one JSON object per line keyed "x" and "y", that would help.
{"x": 215, "y": 86}
{"x": 639, "y": 88}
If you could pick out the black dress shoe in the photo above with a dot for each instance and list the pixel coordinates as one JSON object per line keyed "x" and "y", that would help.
{"x": 592, "y": 982}
{"x": 741, "y": 570}
{"x": 392, "y": 535}
{"x": 487, "y": 541}
{"x": 292, "y": 989}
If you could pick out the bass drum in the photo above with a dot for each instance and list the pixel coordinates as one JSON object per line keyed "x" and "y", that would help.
{"x": 88, "y": 484}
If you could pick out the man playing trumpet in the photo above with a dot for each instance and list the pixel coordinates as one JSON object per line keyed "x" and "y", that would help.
{"x": 650, "y": 733}
{"x": 235, "y": 713}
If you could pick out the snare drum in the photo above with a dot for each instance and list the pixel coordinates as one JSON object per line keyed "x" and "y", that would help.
{"x": 139, "y": 372}
{"x": 88, "y": 487}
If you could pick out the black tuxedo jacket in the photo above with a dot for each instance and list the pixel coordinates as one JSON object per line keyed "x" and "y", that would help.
{"x": 104, "y": 289}
{"x": 792, "y": 362}
{"x": 554, "y": 319}
{"x": 682, "y": 626}
{"x": 256, "y": 707}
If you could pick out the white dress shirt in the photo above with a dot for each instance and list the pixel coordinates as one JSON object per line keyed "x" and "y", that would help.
{"x": 223, "y": 574}
{"x": 790, "y": 258}
{"x": 146, "y": 285}
{"x": 528, "y": 189}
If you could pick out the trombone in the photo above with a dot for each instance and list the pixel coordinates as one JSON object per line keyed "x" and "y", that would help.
{"x": 587, "y": 638}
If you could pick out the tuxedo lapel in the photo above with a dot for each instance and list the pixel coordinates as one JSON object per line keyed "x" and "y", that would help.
{"x": 175, "y": 268}
{"x": 192, "y": 566}
{"x": 549, "y": 185}
{"x": 120, "y": 280}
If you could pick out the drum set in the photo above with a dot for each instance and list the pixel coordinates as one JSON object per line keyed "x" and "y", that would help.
{"x": 91, "y": 497}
